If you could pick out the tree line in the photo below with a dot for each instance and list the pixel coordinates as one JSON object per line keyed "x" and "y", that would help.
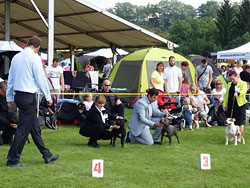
{"x": 211, "y": 27}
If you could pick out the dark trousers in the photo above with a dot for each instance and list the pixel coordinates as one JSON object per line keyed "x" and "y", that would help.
{"x": 28, "y": 123}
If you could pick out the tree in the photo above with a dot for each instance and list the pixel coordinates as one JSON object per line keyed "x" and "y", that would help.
{"x": 126, "y": 11}
{"x": 208, "y": 10}
{"x": 173, "y": 10}
{"x": 243, "y": 18}
{"x": 194, "y": 36}
{"x": 225, "y": 22}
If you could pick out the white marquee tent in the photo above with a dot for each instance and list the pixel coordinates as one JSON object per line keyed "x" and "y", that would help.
{"x": 241, "y": 52}
{"x": 107, "y": 52}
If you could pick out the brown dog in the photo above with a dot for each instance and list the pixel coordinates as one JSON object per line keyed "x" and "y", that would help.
{"x": 168, "y": 131}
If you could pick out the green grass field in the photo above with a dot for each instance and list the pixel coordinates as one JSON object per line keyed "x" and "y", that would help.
{"x": 134, "y": 165}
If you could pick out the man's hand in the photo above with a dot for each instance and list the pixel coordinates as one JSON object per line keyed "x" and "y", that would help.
{"x": 158, "y": 124}
{"x": 225, "y": 108}
{"x": 50, "y": 102}
{"x": 165, "y": 111}
{"x": 118, "y": 101}
{"x": 11, "y": 105}
{"x": 62, "y": 89}
{"x": 115, "y": 127}
{"x": 236, "y": 94}
{"x": 13, "y": 125}
{"x": 208, "y": 87}
{"x": 119, "y": 117}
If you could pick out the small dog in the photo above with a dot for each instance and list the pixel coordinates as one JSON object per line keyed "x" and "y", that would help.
{"x": 232, "y": 130}
{"x": 120, "y": 133}
{"x": 168, "y": 131}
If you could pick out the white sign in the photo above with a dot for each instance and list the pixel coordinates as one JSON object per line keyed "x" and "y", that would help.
{"x": 205, "y": 162}
{"x": 97, "y": 168}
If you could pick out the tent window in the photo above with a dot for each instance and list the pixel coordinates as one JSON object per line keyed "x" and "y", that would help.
{"x": 128, "y": 75}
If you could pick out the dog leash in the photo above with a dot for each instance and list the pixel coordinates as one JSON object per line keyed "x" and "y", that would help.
{"x": 231, "y": 115}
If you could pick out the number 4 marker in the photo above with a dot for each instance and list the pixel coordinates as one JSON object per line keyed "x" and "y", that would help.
{"x": 97, "y": 168}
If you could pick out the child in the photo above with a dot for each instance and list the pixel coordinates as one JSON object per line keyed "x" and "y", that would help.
{"x": 187, "y": 112}
{"x": 185, "y": 87}
{"x": 88, "y": 101}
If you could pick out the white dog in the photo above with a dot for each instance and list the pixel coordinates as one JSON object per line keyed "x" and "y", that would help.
{"x": 232, "y": 130}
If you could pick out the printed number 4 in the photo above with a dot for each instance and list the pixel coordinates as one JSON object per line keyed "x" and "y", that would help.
{"x": 205, "y": 159}
{"x": 98, "y": 168}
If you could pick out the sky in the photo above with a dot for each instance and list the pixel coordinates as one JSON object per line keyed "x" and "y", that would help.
{"x": 110, "y": 3}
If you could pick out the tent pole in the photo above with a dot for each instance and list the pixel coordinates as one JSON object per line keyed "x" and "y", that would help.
{"x": 113, "y": 49}
{"x": 72, "y": 57}
{"x": 7, "y": 20}
{"x": 51, "y": 5}
{"x": 6, "y": 33}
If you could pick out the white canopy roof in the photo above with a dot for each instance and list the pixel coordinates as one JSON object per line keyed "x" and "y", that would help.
{"x": 9, "y": 46}
{"x": 106, "y": 52}
{"x": 242, "y": 52}
{"x": 78, "y": 24}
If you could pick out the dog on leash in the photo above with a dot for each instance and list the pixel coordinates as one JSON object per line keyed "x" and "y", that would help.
{"x": 168, "y": 131}
{"x": 119, "y": 133}
{"x": 232, "y": 130}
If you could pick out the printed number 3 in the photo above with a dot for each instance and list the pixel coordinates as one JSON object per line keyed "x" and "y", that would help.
{"x": 205, "y": 159}
{"x": 98, "y": 168}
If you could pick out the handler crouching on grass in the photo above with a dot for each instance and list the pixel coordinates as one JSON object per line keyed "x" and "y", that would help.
{"x": 146, "y": 115}
{"x": 26, "y": 78}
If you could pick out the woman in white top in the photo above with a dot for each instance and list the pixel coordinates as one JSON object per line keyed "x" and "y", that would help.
{"x": 199, "y": 102}
{"x": 219, "y": 92}
{"x": 157, "y": 80}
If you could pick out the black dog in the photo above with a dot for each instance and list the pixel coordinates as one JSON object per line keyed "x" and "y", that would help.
{"x": 168, "y": 131}
{"x": 120, "y": 133}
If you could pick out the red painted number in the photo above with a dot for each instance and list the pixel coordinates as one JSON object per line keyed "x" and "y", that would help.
{"x": 205, "y": 159}
{"x": 98, "y": 168}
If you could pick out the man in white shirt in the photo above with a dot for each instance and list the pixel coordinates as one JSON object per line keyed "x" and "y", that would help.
{"x": 55, "y": 73}
{"x": 173, "y": 77}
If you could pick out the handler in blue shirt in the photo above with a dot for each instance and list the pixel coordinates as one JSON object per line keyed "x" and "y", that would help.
{"x": 26, "y": 78}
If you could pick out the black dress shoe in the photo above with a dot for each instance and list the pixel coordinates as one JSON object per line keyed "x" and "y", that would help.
{"x": 157, "y": 143}
{"x": 93, "y": 144}
{"x": 15, "y": 165}
{"x": 127, "y": 138}
{"x": 51, "y": 159}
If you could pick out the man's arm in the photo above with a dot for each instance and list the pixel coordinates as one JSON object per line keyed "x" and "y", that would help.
{"x": 62, "y": 82}
{"x": 196, "y": 79}
{"x": 10, "y": 85}
{"x": 40, "y": 78}
{"x": 180, "y": 83}
{"x": 210, "y": 80}
{"x": 165, "y": 84}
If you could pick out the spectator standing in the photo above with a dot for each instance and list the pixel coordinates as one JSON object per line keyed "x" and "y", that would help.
{"x": 156, "y": 79}
{"x": 184, "y": 67}
{"x": 204, "y": 76}
{"x": 238, "y": 69}
{"x": 224, "y": 71}
{"x": 172, "y": 76}
{"x": 55, "y": 73}
{"x": 26, "y": 83}
{"x": 107, "y": 68}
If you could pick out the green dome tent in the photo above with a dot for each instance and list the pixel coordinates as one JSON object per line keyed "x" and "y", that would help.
{"x": 134, "y": 70}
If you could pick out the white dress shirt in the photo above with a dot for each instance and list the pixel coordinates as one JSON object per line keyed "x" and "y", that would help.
{"x": 27, "y": 75}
